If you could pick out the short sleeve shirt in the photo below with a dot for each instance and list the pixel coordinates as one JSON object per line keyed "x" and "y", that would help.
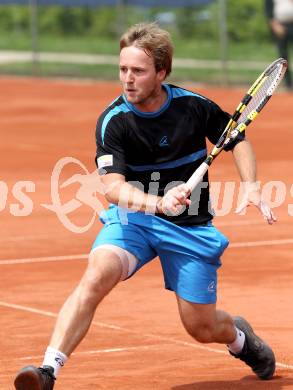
{"x": 157, "y": 150}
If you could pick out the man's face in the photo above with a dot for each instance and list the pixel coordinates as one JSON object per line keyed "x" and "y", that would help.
{"x": 141, "y": 83}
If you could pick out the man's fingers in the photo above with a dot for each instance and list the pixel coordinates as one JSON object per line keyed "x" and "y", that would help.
{"x": 188, "y": 202}
{"x": 175, "y": 200}
{"x": 267, "y": 213}
{"x": 173, "y": 205}
{"x": 242, "y": 207}
{"x": 181, "y": 194}
{"x": 263, "y": 207}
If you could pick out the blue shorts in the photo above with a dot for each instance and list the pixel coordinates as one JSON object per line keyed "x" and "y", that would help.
{"x": 189, "y": 255}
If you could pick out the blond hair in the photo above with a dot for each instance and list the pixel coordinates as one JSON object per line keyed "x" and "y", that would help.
{"x": 154, "y": 41}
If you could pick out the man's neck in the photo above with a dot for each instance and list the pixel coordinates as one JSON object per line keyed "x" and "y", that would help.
{"x": 154, "y": 103}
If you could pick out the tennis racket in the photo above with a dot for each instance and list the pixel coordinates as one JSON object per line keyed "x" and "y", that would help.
{"x": 250, "y": 106}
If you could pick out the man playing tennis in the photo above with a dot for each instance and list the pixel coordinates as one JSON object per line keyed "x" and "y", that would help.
{"x": 149, "y": 142}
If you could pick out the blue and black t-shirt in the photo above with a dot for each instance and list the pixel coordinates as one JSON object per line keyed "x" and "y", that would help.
{"x": 162, "y": 147}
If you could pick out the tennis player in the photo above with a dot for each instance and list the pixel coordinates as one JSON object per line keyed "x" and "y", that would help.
{"x": 149, "y": 142}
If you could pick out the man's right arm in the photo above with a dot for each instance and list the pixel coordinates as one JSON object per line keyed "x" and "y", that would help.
{"x": 125, "y": 195}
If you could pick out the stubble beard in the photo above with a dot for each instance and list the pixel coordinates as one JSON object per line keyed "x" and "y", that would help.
{"x": 144, "y": 99}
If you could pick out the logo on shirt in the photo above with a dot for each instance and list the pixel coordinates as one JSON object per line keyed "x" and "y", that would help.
{"x": 212, "y": 286}
{"x": 164, "y": 141}
{"x": 105, "y": 161}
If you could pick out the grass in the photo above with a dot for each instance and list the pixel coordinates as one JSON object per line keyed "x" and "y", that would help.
{"x": 192, "y": 48}
{"x": 70, "y": 44}
{"x": 98, "y": 72}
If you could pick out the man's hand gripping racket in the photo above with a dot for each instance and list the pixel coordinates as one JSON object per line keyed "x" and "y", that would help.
{"x": 252, "y": 103}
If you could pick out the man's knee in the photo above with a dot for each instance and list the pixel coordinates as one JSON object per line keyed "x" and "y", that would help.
{"x": 125, "y": 260}
{"x": 102, "y": 274}
{"x": 199, "y": 320}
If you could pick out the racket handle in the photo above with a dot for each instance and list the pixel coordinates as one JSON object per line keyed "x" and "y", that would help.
{"x": 197, "y": 176}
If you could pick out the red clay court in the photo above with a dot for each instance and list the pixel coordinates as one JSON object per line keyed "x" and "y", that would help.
{"x": 136, "y": 341}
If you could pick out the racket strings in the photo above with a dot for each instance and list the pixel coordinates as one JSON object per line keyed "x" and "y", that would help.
{"x": 262, "y": 93}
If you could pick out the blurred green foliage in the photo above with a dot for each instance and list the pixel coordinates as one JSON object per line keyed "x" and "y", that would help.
{"x": 245, "y": 21}
{"x": 195, "y": 33}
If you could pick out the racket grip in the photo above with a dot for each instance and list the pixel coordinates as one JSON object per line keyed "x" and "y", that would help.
{"x": 197, "y": 176}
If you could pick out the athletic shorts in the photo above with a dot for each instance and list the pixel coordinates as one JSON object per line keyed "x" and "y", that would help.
{"x": 189, "y": 255}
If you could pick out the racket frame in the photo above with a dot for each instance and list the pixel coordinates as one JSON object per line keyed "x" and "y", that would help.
{"x": 233, "y": 128}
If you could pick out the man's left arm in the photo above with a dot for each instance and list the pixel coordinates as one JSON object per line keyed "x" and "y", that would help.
{"x": 246, "y": 164}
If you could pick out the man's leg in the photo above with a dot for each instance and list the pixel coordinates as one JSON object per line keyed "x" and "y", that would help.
{"x": 102, "y": 274}
{"x": 105, "y": 269}
{"x": 208, "y": 325}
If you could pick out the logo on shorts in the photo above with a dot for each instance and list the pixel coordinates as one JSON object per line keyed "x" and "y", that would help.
{"x": 212, "y": 286}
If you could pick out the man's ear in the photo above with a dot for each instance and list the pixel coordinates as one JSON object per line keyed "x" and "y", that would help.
{"x": 161, "y": 75}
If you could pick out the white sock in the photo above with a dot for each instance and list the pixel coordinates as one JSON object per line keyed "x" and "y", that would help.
{"x": 237, "y": 345}
{"x": 55, "y": 359}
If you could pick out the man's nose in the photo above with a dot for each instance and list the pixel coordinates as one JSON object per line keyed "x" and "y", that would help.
{"x": 129, "y": 76}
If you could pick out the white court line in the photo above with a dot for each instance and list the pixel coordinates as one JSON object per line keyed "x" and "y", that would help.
{"x": 260, "y": 243}
{"x": 28, "y": 309}
{"x": 130, "y": 331}
{"x": 43, "y": 259}
{"x": 98, "y": 351}
{"x": 247, "y": 244}
{"x": 217, "y": 222}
